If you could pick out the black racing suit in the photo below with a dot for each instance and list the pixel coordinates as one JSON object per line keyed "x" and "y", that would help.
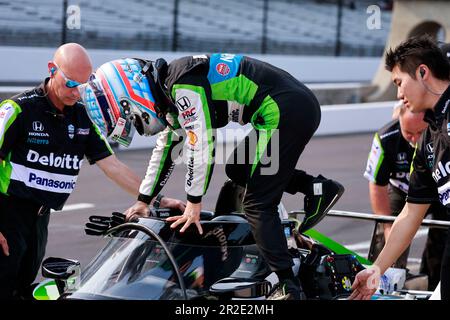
{"x": 430, "y": 175}
{"x": 211, "y": 91}
{"x": 42, "y": 151}
{"x": 389, "y": 163}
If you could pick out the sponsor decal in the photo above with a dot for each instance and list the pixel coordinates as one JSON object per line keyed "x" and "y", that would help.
{"x": 34, "y": 179}
{"x": 183, "y": 103}
{"x": 66, "y": 161}
{"x": 188, "y": 121}
{"x": 83, "y": 132}
{"x": 402, "y": 175}
{"x": 387, "y": 134}
{"x": 166, "y": 177}
{"x": 38, "y": 134}
{"x": 442, "y": 171}
{"x": 71, "y": 131}
{"x": 192, "y": 138}
{"x": 221, "y": 237}
{"x": 38, "y": 126}
{"x": 223, "y": 69}
{"x": 190, "y": 173}
{"x": 234, "y": 115}
{"x": 5, "y": 110}
{"x": 189, "y": 114}
{"x": 28, "y": 97}
{"x": 37, "y": 141}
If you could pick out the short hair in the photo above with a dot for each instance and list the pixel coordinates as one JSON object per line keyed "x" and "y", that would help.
{"x": 416, "y": 51}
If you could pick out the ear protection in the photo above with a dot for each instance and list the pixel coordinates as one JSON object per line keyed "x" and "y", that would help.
{"x": 422, "y": 72}
{"x": 52, "y": 70}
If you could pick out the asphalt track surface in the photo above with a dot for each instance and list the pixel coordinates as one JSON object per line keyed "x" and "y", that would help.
{"x": 339, "y": 157}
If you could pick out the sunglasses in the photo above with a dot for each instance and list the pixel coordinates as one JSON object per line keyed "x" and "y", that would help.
{"x": 69, "y": 83}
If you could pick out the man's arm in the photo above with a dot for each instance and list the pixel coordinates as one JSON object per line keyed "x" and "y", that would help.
{"x": 402, "y": 233}
{"x": 403, "y": 230}
{"x": 379, "y": 200}
{"x": 121, "y": 174}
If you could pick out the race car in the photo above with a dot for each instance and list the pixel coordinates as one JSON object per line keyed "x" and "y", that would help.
{"x": 147, "y": 260}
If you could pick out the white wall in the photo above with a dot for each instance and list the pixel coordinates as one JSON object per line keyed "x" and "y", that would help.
{"x": 336, "y": 119}
{"x": 25, "y": 64}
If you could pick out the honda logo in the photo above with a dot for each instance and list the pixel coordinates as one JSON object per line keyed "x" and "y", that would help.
{"x": 38, "y": 126}
{"x": 430, "y": 147}
{"x": 183, "y": 103}
{"x": 401, "y": 156}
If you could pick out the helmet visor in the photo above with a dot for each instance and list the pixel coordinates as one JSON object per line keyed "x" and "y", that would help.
{"x": 105, "y": 113}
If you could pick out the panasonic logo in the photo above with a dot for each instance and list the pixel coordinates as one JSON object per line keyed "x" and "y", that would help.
{"x": 441, "y": 171}
{"x": 66, "y": 161}
{"x": 51, "y": 183}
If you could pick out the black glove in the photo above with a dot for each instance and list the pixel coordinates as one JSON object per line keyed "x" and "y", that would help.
{"x": 98, "y": 225}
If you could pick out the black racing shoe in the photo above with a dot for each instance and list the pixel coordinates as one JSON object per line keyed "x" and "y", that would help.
{"x": 288, "y": 289}
{"x": 324, "y": 194}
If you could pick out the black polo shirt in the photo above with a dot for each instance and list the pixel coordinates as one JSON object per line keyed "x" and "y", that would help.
{"x": 430, "y": 175}
{"x": 43, "y": 148}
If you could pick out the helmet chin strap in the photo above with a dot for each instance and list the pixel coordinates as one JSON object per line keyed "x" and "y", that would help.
{"x": 118, "y": 129}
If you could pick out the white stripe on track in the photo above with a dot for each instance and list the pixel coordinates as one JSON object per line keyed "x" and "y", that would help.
{"x": 75, "y": 206}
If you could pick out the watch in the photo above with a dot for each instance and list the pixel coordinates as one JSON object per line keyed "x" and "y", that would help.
{"x": 157, "y": 202}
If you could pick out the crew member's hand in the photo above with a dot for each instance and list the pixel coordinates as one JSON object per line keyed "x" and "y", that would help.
{"x": 139, "y": 209}
{"x": 4, "y": 245}
{"x": 365, "y": 284}
{"x": 191, "y": 215}
{"x": 172, "y": 204}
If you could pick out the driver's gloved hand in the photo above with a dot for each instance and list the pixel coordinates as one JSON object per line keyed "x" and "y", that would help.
{"x": 98, "y": 225}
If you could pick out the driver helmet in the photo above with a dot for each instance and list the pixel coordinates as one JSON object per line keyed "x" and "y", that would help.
{"x": 118, "y": 99}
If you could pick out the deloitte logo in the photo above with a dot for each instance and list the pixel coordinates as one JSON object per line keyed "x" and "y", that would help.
{"x": 66, "y": 161}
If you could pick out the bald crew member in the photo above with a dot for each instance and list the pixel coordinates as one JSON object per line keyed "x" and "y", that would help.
{"x": 45, "y": 134}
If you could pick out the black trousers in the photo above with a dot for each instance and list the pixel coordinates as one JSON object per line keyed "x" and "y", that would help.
{"x": 24, "y": 224}
{"x": 265, "y": 181}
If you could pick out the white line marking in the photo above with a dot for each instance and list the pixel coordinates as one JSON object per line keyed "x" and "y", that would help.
{"x": 75, "y": 206}
{"x": 366, "y": 244}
